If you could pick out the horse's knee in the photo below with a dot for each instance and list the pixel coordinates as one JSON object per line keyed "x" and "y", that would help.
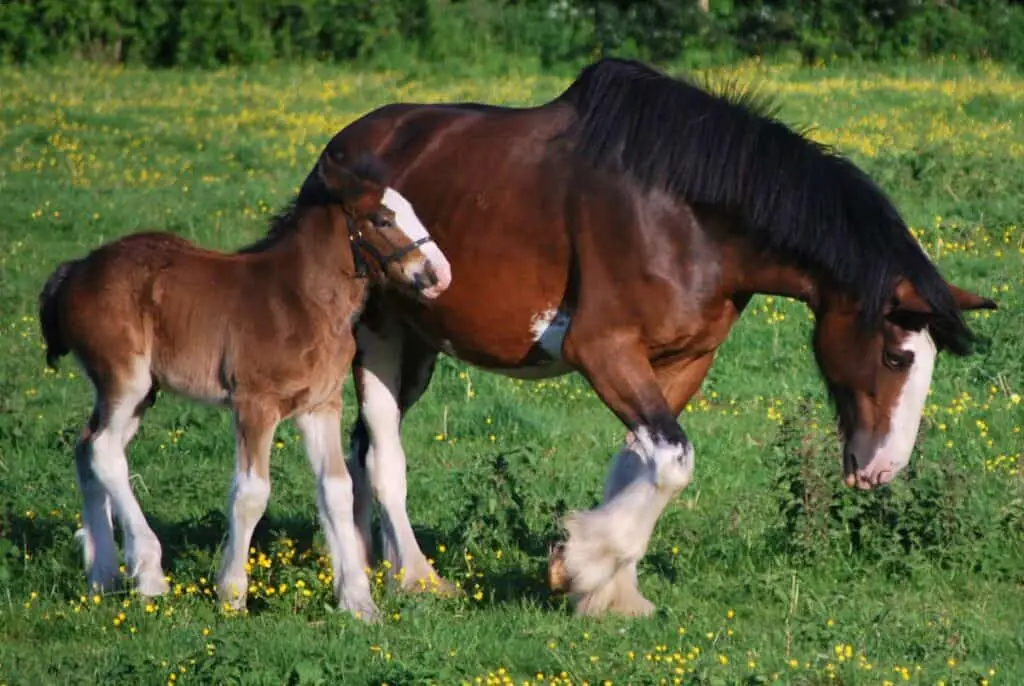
{"x": 670, "y": 457}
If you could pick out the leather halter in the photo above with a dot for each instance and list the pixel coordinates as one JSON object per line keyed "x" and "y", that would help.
{"x": 360, "y": 245}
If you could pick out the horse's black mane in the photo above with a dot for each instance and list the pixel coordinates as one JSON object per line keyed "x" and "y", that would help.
{"x": 315, "y": 193}
{"x": 799, "y": 198}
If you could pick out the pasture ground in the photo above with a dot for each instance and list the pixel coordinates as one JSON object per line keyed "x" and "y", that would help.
{"x": 766, "y": 570}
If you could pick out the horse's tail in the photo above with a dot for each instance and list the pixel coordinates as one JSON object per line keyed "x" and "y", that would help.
{"x": 49, "y": 313}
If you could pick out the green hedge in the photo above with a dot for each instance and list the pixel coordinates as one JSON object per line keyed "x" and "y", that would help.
{"x": 212, "y": 32}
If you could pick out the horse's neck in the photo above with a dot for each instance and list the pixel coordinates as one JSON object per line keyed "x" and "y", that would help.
{"x": 760, "y": 274}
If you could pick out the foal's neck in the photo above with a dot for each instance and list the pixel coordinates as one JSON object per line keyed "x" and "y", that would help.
{"x": 316, "y": 253}
{"x": 319, "y": 240}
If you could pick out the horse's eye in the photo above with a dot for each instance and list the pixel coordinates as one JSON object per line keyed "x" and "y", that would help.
{"x": 383, "y": 222}
{"x": 897, "y": 359}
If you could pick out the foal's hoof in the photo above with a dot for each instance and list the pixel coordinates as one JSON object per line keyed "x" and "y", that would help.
{"x": 558, "y": 576}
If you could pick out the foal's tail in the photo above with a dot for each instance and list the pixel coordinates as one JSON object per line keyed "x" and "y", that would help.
{"x": 49, "y": 313}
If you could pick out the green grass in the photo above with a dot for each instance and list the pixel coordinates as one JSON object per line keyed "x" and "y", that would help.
{"x": 765, "y": 569}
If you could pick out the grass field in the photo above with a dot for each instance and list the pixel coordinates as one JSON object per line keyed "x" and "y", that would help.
{"x": 766, "y": 570}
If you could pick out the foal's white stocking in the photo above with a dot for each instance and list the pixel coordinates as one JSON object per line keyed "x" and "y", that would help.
{"x": 103, "y": 474}
{"x": 250, "y": 491}
{"x": 321, "y": 433}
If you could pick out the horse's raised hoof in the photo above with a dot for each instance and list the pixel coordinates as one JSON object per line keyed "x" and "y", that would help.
{"x": 558, "y": 577}
{"x": 624, "y": 603}
{"x": 619, "y": 596}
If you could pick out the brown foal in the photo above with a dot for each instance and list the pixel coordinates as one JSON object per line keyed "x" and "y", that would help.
{"x": 266, "y": 331}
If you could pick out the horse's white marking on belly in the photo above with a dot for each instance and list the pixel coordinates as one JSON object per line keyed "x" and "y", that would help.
{"x": 548, "y": 329}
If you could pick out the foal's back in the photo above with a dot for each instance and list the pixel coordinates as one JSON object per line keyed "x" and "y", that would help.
{"x": 155, "y": 307}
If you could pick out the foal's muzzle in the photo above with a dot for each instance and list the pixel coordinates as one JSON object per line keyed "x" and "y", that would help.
{"x": 427, "y": 281}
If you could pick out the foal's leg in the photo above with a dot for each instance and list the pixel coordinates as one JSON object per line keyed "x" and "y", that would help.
{"x": 102, "y": 468}
{"x": 390, "y": 374}
{"x": 606, "y": 543}
{"x": 321, "y": 433}
{"x": 255, "y": 422}
{"x": 97, "y": 533}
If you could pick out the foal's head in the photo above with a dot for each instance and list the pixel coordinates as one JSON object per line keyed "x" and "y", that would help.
{"x": 879, "y": 378}
{"x": 387, "y": 237}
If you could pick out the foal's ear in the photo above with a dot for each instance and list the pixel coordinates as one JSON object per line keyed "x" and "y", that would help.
{"x": 357, "y": 187}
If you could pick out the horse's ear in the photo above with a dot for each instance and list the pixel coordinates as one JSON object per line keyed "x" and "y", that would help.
{"x": 906, "y": 299}
{"x": 966, "y": 300}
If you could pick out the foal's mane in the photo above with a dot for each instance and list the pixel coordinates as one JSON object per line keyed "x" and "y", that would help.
{"x": 315, "y": 193}
{"x": 800, "y": 199}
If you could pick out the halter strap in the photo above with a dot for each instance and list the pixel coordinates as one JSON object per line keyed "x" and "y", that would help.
{"x": 360, "y": 245}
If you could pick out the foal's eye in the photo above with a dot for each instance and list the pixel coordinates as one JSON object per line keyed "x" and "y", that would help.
{"x": 897, "y": 359}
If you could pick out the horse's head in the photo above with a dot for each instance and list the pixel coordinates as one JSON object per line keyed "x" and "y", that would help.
{"x": 385, "y": 233}
{"x": 879, "y": 378}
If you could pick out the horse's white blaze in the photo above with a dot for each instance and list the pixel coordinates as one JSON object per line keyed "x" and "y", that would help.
{"x": 548, "y": 330}
{"x": 410, "y": 224}
{"x": 880, "y": 458}
{"x": 605, "y": 543}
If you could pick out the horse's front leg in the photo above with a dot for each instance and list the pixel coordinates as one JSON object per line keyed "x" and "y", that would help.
{"x": 597, "y": 563}
{"x": 390, "y": 374}
{"x": 321, "y": 433}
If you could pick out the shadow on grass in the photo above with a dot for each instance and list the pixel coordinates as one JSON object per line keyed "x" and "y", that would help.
{"x": 195, "y": 543}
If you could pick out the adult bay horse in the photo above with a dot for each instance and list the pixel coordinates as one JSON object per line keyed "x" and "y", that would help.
{"x": 266, "y": 331}
{"x": 619, "y": 231}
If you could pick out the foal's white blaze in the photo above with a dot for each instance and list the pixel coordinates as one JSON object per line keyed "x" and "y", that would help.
{"x": 548, "y": 330}
{"x": 880, "y": 458}
{"x": 410, "y": 224}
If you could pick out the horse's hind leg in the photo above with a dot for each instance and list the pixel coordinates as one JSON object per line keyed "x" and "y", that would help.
{"x": 255, "y": 422}
{"x": 390, "y": 371}
{"x": 103, "y": 477}
{"x": 321, "y": 433}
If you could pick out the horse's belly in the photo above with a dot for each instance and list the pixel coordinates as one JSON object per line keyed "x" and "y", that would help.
{"x": 539, "y": 371}
{"x": 544, "y": 358}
